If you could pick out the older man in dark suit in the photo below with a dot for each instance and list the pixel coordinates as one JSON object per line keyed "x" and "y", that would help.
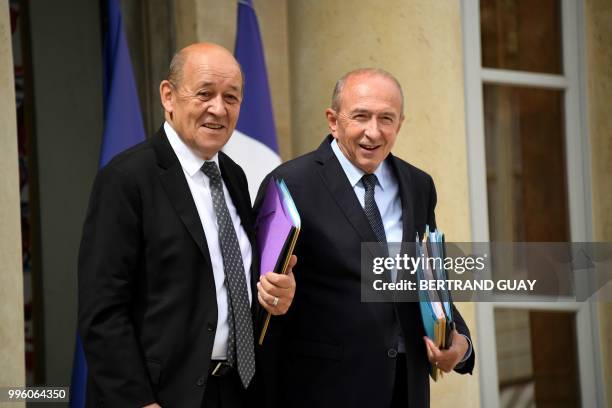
{"x": 167, "y": 270}
{"x": 332, "y": 349}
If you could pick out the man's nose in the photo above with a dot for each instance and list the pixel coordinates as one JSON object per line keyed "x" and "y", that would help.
{"x": 372, "y": 128}
{"x": 216, "y": 105}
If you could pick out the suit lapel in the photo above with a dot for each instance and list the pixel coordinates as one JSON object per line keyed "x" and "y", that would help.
{"x": 337, "y": 183}
{"x": 407, "y": 194}
{"x": 239, "y": 198}
{"x": 173, "y": 180}
{"x": 406, "y": 191}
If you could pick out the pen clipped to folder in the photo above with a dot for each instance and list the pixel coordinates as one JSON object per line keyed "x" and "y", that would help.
{"x": 277, "y": 228}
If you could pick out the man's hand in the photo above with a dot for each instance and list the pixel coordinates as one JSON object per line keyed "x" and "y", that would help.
{"x": 275, "y": 291}
{"x": 446, "y": 360}
{"x": 156, "y": 405}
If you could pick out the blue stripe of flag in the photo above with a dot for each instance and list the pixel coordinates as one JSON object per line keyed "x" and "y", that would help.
{"x": 256, "y": 118}
{"x": 123, "y": 126}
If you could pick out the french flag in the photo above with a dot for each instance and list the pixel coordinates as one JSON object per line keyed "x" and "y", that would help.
{"x": 253, "y": 144}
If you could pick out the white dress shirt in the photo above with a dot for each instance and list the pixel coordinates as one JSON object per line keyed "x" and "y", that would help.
{"x": 200, "y": 191}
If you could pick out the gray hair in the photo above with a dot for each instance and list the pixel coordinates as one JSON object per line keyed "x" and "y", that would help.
{"x": 337, "y": 94}
{"x": 175, "y": 71}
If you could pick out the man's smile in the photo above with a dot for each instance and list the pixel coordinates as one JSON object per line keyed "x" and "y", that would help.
{"x": 368, "y": 147}
{"x": 214, "y": 126}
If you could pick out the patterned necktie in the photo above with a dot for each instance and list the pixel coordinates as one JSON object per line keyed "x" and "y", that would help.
{"x": 240, "y": 348}
{"x": 371, "y": 209}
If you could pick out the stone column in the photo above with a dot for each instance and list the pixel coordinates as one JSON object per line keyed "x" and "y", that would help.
{"x": 12, "y": 358}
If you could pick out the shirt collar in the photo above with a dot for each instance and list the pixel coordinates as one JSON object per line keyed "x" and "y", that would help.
{"x": 190, "y": 162}
{"x": 354, "y": 173}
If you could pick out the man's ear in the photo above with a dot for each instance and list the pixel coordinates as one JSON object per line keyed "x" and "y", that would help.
{"x": 401, "y": 121}
{"x": 332, "y": 120}
{"x": 166, "y": 94}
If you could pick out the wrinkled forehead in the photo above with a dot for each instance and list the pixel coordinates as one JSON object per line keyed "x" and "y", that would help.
{"x": 212, "y": 69}
{"x": 373, "y": 88}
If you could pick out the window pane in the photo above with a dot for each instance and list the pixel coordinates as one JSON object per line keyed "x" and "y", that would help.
{"x": 537, "y": 358}
{"x": 526, "y": 172}
{"x": 522, "y": 35}
{"x": 526, "y": 176}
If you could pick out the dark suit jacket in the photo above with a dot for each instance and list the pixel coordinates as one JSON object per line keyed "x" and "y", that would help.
{"x": 331, "y": 349}
{"x": 147, "y": 303}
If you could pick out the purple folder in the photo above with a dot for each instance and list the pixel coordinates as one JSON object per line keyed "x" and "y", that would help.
{"x": 275, "y": 229}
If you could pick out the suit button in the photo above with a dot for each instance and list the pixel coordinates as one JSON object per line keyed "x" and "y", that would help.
{"x": 211, "y": 327}
{"x": 392, "y": 353}
{"x": 200, "y": 382}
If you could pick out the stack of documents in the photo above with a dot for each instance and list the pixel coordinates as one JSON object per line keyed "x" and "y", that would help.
{"x": 277, "y": 228}
{"x": 436, "y": 305}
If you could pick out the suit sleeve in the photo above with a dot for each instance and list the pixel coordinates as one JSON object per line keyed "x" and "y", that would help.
{"x": 109, "y": 259}
{"x": 467, "y": 366}
{"x": 261, "y": 193}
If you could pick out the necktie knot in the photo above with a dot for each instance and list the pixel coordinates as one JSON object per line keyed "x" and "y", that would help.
{"x": 369, "y": 181}
{"x": 211, "y": 170}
